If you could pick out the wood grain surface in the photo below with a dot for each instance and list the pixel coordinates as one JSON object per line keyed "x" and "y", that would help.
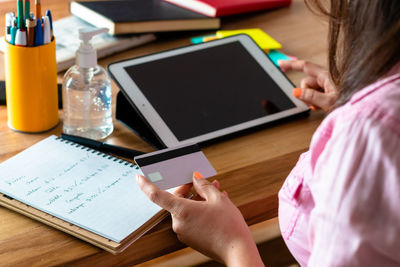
{"x": 251, "y": 168}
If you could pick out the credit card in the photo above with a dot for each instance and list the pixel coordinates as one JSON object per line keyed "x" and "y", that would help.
{"x": 171, "y": 167}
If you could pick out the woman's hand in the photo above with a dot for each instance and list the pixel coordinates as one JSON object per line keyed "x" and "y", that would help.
{"x": 316, "y": 90}
{"x": 212, "y": 225}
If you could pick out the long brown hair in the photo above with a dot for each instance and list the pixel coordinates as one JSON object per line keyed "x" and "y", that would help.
{"x": 364, "y": 41}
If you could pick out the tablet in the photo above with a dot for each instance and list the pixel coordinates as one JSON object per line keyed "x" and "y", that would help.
{"x": 202, "y": 92}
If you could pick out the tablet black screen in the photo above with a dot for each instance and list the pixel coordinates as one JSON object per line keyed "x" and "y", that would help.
{"x": 208, "y": 90}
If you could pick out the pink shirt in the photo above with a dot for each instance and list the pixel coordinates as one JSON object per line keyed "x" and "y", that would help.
{"x": 340, "y": 205}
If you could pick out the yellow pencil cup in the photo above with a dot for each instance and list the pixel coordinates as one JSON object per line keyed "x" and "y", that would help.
{"x": 31, "y": 87}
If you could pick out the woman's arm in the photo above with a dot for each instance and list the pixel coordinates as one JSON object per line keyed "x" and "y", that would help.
{"x": 356, "y": 190}
{"x": 212, "y": 225}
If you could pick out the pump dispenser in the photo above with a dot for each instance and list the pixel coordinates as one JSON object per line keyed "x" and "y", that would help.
{"x": 87, "y": 93}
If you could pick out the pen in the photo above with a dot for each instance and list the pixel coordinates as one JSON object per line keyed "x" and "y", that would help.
{"x": 48, "y": 13}
{"x": 103, "y": 147}
{"x": 20, "y": 14}
{"x": 20, "y": 38}
{"x": 46, "y": 30}
{"x": 38, "y": 9}
{"x": 8, "y": 27}
{"x": 13, "y": 31}
{"x": 27, "y": 9}
{"x": 38, "y": 32}
{"x": 30, "y": 30}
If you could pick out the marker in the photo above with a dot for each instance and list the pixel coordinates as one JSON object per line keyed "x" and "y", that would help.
{"x": 46, "y": 30}
{"x": 30, "y": 30}
{"x": 48, "y": 13}
{"x": 20, "y": 38}
{"x": 13, "y": 31}
{"x": 211, "y": 38}
{"x": 103, "y": 147}
{"x": 199, "y": 39}
{"x": 8, "y": 27}
{"x": 20, "y": 14}
{"x": 38, "y": 33}
{"x": 38, "y": 9}
{"x": 27, "y": 9}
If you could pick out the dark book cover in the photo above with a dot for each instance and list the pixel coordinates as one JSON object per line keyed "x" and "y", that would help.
{"x": 137, "y": 16}
{"x": 120, "y": 11}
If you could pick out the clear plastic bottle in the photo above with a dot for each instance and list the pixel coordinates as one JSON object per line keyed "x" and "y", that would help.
{"x": 87, "y": 93}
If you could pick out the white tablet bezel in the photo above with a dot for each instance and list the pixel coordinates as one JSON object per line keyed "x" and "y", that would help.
{"x": 130, "y": 88}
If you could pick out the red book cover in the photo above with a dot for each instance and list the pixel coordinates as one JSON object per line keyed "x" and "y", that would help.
{"x": 218, "y": 8}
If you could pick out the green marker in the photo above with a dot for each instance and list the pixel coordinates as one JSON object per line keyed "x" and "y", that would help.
{"x": 27, "y": 9}
{"x": 20, "y": 14}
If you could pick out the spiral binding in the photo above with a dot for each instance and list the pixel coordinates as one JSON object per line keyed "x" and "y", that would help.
{"x": 93, "y": 151}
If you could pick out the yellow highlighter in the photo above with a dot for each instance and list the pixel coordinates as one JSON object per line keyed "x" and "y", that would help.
{"x": 263, "y": 40}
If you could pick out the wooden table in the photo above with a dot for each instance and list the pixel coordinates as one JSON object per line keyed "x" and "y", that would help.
{"x": 251, "y": 168}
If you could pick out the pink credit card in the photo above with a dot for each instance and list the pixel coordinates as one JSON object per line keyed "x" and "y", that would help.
{"x": 173, "y": 167}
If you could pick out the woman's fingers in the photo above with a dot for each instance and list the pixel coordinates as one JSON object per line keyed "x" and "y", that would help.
{"x": 300, "y": 65}
{"x": 216, "y": 184}
{"x": 310, "y": 82}
{"x": 315, "y": 98}
{"x": 318, "y": 75}
{"x": 204, "y": 188}
{"x": 316, "y": 90}
{"x": 183, "y": 190}
{"x": 160, "y": 197}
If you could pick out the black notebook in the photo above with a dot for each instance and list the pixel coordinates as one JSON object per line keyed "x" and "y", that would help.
{"x": 136, "y": 16}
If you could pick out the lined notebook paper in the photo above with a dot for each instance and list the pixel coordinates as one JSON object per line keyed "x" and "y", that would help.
{"x": 82, "y": 186}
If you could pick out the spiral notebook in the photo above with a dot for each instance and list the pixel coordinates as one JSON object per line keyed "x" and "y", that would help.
{"x": 81, "y": 191}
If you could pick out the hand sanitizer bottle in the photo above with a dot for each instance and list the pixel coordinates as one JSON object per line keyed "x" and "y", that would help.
{"x": 86, "y": 93}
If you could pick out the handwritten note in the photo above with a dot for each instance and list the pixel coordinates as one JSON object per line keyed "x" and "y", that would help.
{"x": 79, "y": 185}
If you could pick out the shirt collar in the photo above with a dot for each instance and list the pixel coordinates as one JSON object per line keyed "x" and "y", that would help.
{"x": 393, "y": 75}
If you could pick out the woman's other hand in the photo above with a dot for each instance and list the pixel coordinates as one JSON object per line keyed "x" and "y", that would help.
{"x": 212, "y": 225}
{"x": 316, "y": 90}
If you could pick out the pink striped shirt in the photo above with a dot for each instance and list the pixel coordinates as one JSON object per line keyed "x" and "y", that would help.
{"x": 340, "y": 205}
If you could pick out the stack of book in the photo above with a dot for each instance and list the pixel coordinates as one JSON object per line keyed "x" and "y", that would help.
{"x": 139, "y": 16}
{"x": 133, "y": 22}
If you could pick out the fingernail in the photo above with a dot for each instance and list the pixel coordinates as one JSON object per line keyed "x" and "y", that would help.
{"x": 216, "y": 184}
{"x": 139, "y": 178}
{"x": 197, "y": 175}
{"x": 297, "y": 92}
{"x": 313, "y": 108}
